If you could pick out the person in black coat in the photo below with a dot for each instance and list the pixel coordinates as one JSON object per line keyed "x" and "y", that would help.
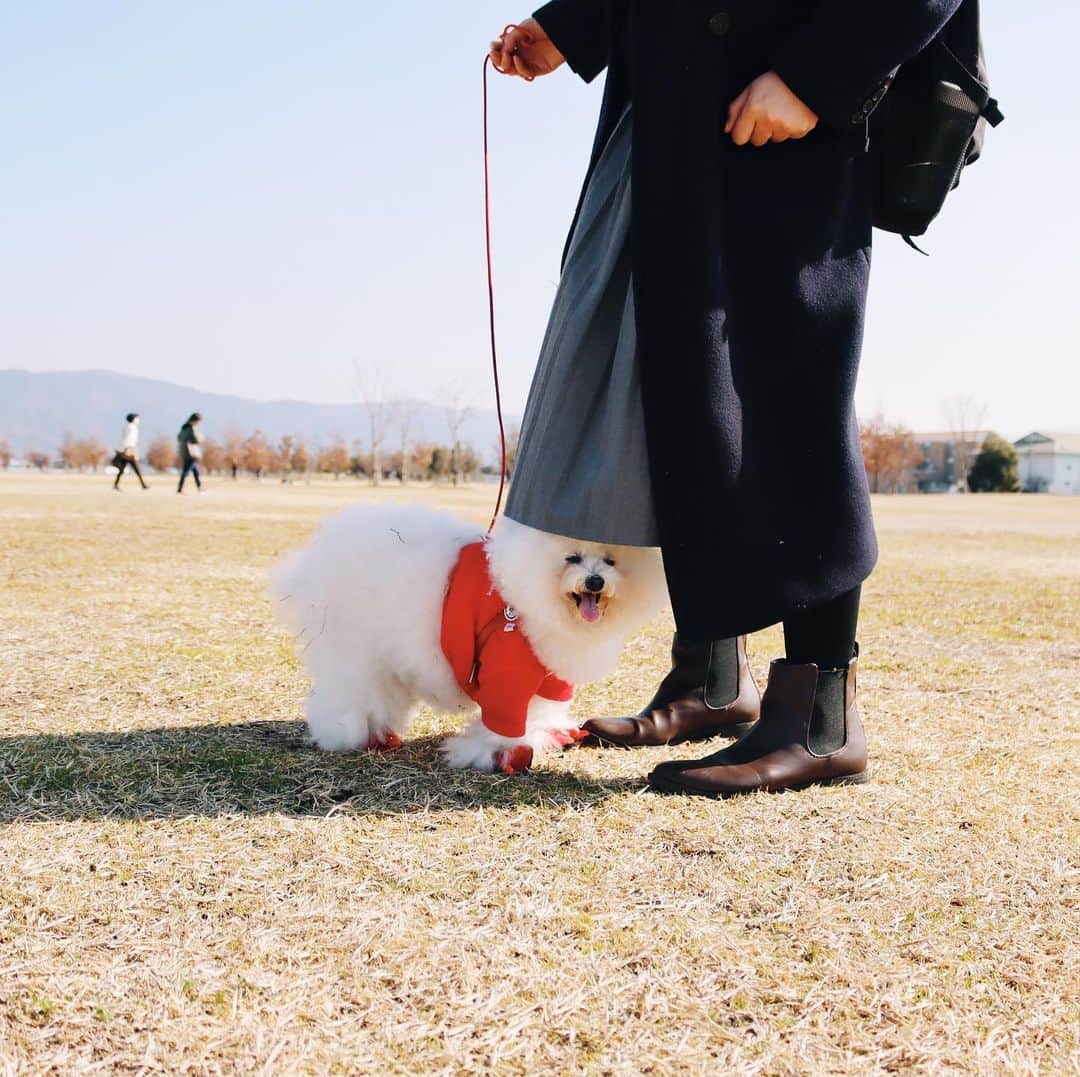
{"x": 750, "y": 249}
{"x": 189, "y": 449}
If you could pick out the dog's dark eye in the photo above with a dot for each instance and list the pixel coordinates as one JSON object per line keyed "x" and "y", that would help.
{"x": 574, "y": 559}
{"x": 610, "y": 561}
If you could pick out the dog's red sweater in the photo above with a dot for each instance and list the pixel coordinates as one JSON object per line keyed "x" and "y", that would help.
{"x": 490, "y": 656}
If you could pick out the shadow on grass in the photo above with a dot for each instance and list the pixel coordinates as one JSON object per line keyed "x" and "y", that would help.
{"x": 254, "y": 768}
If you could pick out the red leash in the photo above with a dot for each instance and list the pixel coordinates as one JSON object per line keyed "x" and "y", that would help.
{"x": 491, "y": 284}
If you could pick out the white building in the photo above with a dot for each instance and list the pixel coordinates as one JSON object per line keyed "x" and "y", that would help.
{"x": 1049, "y": 463}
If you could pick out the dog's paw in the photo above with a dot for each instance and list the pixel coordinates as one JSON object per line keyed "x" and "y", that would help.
{"x": 344, "y": 730}
{"x": 565, "y": 738}
{"x": 514, "y": 760}
{"x": 386, "y": 740}
{"x": 477, "y": 748}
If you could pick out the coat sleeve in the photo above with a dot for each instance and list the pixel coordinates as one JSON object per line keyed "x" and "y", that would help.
{"x": 579, "y": 31}
{"x": 838, "y": 61}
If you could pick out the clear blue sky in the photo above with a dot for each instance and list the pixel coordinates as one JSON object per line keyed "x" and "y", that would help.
{"x": 247, "y": 197}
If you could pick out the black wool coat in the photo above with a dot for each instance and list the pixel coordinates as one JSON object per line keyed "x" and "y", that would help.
{"x": 750, "y": 269}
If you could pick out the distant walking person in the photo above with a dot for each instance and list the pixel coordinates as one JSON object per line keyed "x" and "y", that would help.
{"x": 189, "y": 445}
{"x": 127, "y": 455}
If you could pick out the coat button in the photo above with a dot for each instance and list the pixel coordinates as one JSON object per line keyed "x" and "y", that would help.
{"x": 720, "y": 23}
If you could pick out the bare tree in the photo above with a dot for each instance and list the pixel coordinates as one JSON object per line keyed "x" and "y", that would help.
{"x": 301, "y": 459}
{"x": 421, "y": 460}
{"x": 92, "y": 453}
{"x": 257, "y": 454}
{"x": 370, "y": 387}
{"x": 283, "y": 457}
{"x": 964, "y": 417}
{"x": 359, "y": 460}
{"x": 70, "y": 455}
{"x": 889, "y": 454}
{"x": 334, "y": 460}
{"x": 37, "y": 459}
{"x": 456, "y": 407}
{"x": 5, "y": 454}
{"x": 513, "y": 437}
{"x": 234, "y": 452}
{"x": 213, "y": 456}
{"x": 468, "y": 460}
{"x": 401, "y": 414}
{"x": 162, "y": 454}
{"x": 80, "y": 453}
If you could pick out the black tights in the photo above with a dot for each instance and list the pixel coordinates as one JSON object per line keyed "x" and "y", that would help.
{"x": 190, "y": 466}
{"x": 825, "y": 634}
{"x": 134, "y": 465}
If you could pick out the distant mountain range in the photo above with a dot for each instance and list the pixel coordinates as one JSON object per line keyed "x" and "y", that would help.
{"x": 36, "y": 410}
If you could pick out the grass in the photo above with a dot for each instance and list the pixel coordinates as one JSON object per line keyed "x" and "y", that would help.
{"x": 186, "y": 886}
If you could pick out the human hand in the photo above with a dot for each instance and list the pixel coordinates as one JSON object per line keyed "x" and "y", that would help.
{"x": 525, "y": 50}
{"x": 768, "y": 111}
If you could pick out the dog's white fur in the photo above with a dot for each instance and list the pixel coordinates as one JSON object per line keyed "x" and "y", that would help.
{"x": 365, "y": 598}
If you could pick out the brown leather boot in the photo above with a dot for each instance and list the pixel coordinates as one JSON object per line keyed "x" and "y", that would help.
{"x": 709, "y": 692}
{"x": 809, "y": 734}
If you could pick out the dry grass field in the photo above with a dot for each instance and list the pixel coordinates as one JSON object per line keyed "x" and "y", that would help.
{"x": 186, "y": 886}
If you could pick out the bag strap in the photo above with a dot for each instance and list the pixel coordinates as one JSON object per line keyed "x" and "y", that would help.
{"x": 978, "y": 91}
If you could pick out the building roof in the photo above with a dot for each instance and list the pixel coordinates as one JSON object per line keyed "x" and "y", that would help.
{"x": 1062, "y": 442}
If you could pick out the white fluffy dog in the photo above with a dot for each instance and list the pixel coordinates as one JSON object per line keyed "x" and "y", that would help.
{"x": 368, "y": 600}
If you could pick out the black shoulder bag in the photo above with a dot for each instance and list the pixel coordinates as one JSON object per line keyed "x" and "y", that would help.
{"x": 930, "y": 125}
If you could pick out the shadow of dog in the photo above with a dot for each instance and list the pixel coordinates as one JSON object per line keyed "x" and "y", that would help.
{"x": 254, "y": 768}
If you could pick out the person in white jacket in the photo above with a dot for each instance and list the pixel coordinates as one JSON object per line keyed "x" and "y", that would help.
{"x": 127, "y": 455}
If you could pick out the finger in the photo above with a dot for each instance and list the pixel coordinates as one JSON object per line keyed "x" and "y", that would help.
{"x": 735, "y": 108}
{"x": 744, "y": 126}
{"x": 780, "y": 135}
{"x": 506, "y": 61}
{"x": 522, "y": 68}
{"x": 514, "y": 38}
{"x": 508, "y": 46}
{"x": 762, "y": 133}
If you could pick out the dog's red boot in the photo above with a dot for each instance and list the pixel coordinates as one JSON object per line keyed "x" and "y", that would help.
{"x": 567, "y": 738}
{"x": 514, "y": 760}
{"x": 387, "y": 741}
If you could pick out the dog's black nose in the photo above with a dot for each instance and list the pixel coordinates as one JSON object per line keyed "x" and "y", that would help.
{"x": 595, "y": 584}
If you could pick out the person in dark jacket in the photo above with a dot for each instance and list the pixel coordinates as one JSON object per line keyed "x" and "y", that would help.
{"x": 189, "y": 447}
{"x": 714, "y": 332}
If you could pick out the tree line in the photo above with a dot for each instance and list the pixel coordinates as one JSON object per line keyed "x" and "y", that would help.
{"x": 891, "y": 455}
{"x": 289, "y": 458}
{"x": 893, "y": 459}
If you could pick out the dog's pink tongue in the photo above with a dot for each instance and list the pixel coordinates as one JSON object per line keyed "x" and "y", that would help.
{"x": 589, "y": 608}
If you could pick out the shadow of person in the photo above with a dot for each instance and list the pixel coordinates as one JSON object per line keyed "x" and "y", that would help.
{"x": 253, "y": 768}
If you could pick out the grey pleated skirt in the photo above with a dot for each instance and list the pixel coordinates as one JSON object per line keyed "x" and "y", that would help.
{"x": 582, "y": 469}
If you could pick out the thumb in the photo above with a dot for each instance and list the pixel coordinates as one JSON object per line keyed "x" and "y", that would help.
{"x": 734, "y": 109}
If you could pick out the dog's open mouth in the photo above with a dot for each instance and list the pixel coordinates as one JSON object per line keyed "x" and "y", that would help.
{"x": 588, "y": 605}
